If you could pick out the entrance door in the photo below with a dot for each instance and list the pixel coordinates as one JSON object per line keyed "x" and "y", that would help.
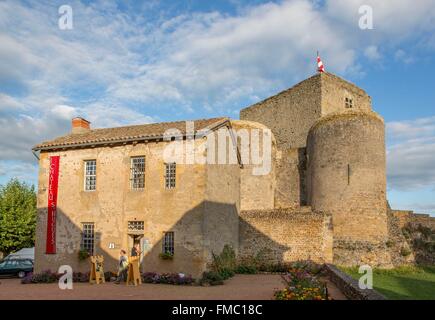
{"x": 134, "y": 239}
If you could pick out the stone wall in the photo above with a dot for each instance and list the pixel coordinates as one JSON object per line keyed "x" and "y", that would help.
{"x": 286, "y": 235}
{"x": 257, "y": 191}
{"x": 289, "y": 114}
{"x": 346, "y": 174}
{"x": 349, "y": 286}
{"x": 181, "y": 210}
{"x": 334, "y": 92}
{"x": 290, "y": 168}
{"x": 406, "y": 216}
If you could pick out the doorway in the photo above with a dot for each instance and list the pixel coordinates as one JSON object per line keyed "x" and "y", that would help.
{"x": 134, "y": 239}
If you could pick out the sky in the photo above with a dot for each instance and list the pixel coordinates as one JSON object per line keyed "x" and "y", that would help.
{"x": 132, "y": 62}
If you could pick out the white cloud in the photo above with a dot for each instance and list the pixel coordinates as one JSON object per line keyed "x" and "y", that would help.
{"x": 411, "y": 154}
{"x": 401, "y": 56}
{"x": 120, "y": 67}
{"x": 372, "y": 53}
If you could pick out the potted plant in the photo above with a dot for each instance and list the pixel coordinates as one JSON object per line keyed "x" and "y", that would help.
{"x": 83, "y": 255}
{"x": 166, "y": 255}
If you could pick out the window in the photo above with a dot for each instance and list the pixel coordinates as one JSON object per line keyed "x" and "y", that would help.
{"x": 137, "y": 176}
{"x": 88, "y": 236}
{"x": 168, "y": 243}
{"x": 348, "y": 102}
{"x": 135, "y": 226}
{"x": 170, "y": 175}
{"x": 90, "y": 175}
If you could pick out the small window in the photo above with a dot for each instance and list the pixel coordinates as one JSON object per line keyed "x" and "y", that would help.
{"x": 88, "y": 236}
{"x": 348, "y": 102}
{"x": 137, "y": 173}
{"x": 168, "y": 243}
{"x": 135, "y": 226}
{"x": 170, "y": 174}
{"x": 90, "y": 175}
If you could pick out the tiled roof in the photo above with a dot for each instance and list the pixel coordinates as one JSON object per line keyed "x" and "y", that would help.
{"x": 128, "y": 133}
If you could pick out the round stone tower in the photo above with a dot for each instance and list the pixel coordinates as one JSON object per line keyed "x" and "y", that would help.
{"x": 346, "y": 176}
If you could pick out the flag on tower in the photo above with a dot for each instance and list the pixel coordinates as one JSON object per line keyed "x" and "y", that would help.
{"x": 320, "y": 66}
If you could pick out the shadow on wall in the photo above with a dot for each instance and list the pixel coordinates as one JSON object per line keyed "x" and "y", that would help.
{"x": 204, "y": 229}
{"x": 68, "y": 245}
{"x": 302, "y": 169}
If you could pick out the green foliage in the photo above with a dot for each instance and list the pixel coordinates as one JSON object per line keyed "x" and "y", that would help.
{"x": 405, "y": 282}
{"x": 17, "y": 216}
{"x": 225, "y": 263}
{"x": 246, "y": 269}
{"x": 83, "y": 255}
{"x": 211, "y": 278}
{"x": 405, "y": 252}
{"x": 166, "y": 256}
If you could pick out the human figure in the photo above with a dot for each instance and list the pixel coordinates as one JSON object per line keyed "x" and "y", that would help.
{"x": 135, "y": 251}
{"x": 122, "y": 267}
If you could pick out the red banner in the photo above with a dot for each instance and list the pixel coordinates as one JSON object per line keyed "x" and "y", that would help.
{"x": 53, "y": 180}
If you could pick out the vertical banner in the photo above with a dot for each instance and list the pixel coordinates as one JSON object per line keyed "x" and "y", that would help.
{"x": 53, "y": 179}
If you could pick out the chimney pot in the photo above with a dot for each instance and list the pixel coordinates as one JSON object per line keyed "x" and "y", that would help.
{"x": 80, "y": 125}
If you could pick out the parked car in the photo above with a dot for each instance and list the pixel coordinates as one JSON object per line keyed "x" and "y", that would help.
{"x": 16, "y": 267}
{"x": 25, "y": 253}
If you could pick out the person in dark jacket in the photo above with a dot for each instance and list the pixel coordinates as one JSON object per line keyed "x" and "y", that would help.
{"x": 135, "y": 251}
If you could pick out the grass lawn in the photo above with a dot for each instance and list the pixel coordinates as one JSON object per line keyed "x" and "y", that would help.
{"x": 403, "y": 283}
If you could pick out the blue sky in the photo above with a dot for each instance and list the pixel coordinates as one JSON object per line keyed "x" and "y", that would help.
{"x": 131, "y": 62}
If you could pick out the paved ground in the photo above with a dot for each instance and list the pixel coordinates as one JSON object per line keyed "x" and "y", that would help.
{"x": 240, "y": 287}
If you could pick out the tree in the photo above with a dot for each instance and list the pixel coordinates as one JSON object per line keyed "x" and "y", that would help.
{"x": 17, "y": 216}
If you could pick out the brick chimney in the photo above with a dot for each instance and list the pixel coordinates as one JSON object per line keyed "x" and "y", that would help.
{"x": 80, "y": 125}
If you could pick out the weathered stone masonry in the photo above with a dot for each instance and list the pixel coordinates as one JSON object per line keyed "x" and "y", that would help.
{"x": 324, "y": 197}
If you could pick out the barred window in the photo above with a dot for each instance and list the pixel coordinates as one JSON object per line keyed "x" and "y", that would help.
{"x": 168, "y": 243}
{"x": 88, "y": 236}
{"x": 137, "y": 176}
{"x": 348, "y": 103}
{"x": 90, "y": 175}
{"x": 135, "y": 226}
{"x": 170, "y": 175}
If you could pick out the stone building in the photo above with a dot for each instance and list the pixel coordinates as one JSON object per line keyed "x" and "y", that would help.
{"x": 323, "y": 197}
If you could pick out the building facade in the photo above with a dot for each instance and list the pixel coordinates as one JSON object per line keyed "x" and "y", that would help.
{"x": 323, "y": 196}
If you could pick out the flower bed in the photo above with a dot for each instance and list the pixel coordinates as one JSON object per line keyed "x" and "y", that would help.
{"x": 50, "y": 277}
{"x": 167, "y": 278}
{"x": 303, "y": 283}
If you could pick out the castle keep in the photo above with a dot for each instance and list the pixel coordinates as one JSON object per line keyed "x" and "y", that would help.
{"x": 324, "y": 197}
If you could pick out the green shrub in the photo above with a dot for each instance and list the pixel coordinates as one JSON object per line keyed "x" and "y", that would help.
{"x": 166, "y": 256}
{"x": 211, "y": 278}
{"x": 225, "y": 263}
{"x": 83, "y": 255}
{"x": 246, "y": 269}
{"x": 389, "y": 243}
{"x": 405, "y": 252}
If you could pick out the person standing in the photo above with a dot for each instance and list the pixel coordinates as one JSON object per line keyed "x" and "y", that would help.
{"x": 135, "y": 251}
{"x": 122, "y": 267}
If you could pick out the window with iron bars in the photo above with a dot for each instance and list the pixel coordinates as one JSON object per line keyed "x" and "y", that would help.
{"x": 170, "y": 175}
{"x": 348, "y": 102}
{"x": 88, "y": 236}
{"x": 168, "y": 243}
{"x": 137, "y": 175}
{"x": 135, "y": 226}
{"x": 90, "y": 175}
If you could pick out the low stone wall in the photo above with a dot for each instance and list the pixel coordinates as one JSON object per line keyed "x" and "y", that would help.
{"x": 406, "y": 216}
{"x": 285, "y": 235}
{"x": 349, "y": 286}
